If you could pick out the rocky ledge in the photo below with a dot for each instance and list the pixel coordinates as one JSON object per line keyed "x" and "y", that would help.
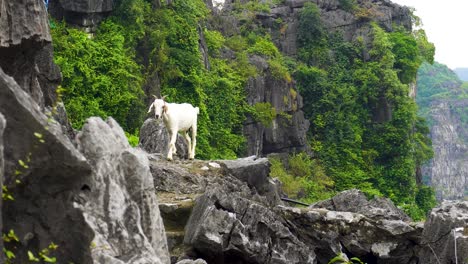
{"x": 213, "y": 211}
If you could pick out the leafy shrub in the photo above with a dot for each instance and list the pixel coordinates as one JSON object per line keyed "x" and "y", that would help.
{"x": 265, "y": 113}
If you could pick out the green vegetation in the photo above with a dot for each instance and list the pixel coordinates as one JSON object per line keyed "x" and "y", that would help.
{"x": 302, "y": 177}
{"x": 364, "y": 129}
{"x": 345, "y": 96}
{"x": 436, "y": 82}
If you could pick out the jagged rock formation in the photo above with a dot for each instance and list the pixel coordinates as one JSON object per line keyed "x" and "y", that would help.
{"x": 446, "y": 234}
{"x": 230, "y": 222}
{"x": 286, "y": 133}
{"x": 154, "y": 138}
{"x": 83, "y": 13}
{"x": 355, "y": 201}
{"x": 448, "y": 170}
{"x": 43, "y": 184}
{"x": 120, "y": 203}
{"x": 2, "y": 128}
{"x": 26, "y": 49}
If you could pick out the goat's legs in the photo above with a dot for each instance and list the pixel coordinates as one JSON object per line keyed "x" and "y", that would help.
{"x": 189, "y": 143}
{"x": 194, "y": 141}
{"x": 172, "y": 140}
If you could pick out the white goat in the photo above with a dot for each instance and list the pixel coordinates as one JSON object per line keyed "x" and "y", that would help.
{"x": 177, "y": 118}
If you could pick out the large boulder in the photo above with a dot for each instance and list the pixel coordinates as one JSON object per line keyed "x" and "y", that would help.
{"x": 43, "y": 172}
{"x": 445, "y": 236}
{"x": 230, "y": 225}
{"x": 120, "y": 203}
{"x": 356, "y": 201}
{"x": 255, "y": 172}
{"x": 154, "y": 139}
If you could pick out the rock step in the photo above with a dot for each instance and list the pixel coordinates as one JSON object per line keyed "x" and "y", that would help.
{"x": 176, "y": 212}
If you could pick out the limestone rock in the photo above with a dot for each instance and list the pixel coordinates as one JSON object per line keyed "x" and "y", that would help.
{"x": 26, "y": 51}
{"x": 84, "y": 13}
{"x": 444, "y": 228}
{"x": 18, "y": 26}
{"x": 50, "y": 174}
{"x": 356, "y": 201}
{"x": 2, "y": 128}
{"x": 255, "y": 172}
{"x": 334, "y": 232}
{"x": 154, "y": 139}
{"x": 287, "y": 132}
{"x": 229, "y": 225}
{"x": 119, "y": 203}
{"x": 189, "y": 261}
{"x": 448, "y": 170}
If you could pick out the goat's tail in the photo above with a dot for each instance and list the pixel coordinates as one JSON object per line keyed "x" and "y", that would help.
{"x": 197, "y": 110}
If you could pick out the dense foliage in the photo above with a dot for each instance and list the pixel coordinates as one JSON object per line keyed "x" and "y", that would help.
{"x": 435, "y": 82}
{"x": 364, "y": 129}
{"x": 364, "y": 125}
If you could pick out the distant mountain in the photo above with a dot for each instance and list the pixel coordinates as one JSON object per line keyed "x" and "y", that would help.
{"x": 462, "y": 73}
{"x": 443, "y": 99}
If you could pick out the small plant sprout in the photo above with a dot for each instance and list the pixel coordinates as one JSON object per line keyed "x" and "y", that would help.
{"x": 39, "y": 137}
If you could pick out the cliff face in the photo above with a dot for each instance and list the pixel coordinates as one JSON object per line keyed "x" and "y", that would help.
{"x": 448, "y": 170}
{"x": 442, "y": 100}
{"x": 290, "y": 135}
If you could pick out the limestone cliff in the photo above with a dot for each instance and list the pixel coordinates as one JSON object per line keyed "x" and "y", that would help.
{"x": 442, "y": 100}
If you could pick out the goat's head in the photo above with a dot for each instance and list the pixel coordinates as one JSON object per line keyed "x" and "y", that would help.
{"x": 159, "y": 107}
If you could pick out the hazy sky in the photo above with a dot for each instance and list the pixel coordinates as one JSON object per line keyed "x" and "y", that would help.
{"x": 446, "y": 24}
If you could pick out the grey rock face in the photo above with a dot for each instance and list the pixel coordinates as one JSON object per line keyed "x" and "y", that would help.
{"x": 154, "y": 139}
{"x": 120, "y": 203}
{"x": 373, "y": 241}
{"x": 448, "y": 170}
{"x": 26, "y": 51}
{"x": 84, "y": 13}
{"x": 287, "y": 132}
{"x": 2, "y": 128}
{"x": 355, "y": 201}
{"x": 52, "y": 174}
{"x": 254, "y": 172}
{"x": 226, "y": 226}
{"x": 446, "y": 227}
{"x": 18, "y": 26}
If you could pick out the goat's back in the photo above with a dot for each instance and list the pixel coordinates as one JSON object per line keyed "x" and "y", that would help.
{"x": 181, "y": 116}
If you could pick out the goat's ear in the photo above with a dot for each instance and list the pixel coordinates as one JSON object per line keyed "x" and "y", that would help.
{"x": 164, "y": 108}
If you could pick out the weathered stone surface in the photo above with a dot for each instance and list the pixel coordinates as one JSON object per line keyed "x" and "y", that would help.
{"x": 373, "y": 241}
{"x": 356, "y": 201}
{"x": 2, "y": 128}
{"x": 26, "y": 51}
{"x": 287, "y": 132}
{"x": 255, "y": 172}
{"x": 120, "y": 204}
{"x": 22, "y": 21}
{"x": 229, "y": 225}
{"x": 448, "y": 170}
{"x": 85, "y": 13}
{"x": 154, "y": 139}
{"x": 52, "y": 174}
{"x": 189, "y": 261}
{"x": 446, "y": 226}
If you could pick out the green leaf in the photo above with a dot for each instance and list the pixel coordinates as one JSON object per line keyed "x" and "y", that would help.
{"x": 38, "y": 135}
{"x": 9, "y": 254}
{"x": 32, "y": 257}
